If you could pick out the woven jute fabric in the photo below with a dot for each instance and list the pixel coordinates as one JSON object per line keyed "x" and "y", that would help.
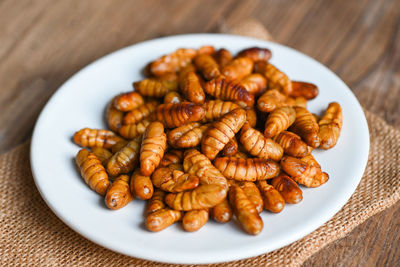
{"x": 30, "y": 234}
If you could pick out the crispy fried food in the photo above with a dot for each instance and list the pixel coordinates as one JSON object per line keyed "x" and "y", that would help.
{"x": 157, "y": 87}
{"x": 303, "y": 89}
{"x": 256, "y": 54}
{"x": 92, "y": 171}
{"x": 202, "y": 197}
{"x": 128, "y": 101}
{"x": 254, "y": 83}
{"x": 306, "y": 127}
{"x": 207, "y": 66}
{"x": 279, "y": 120}
{"x": 238, "y": 68}
{"x": 292, "y": 144}
{"x": 132, "y": 131}
{"x": 251, "y": 116}
{"x": 247, "y": 169}
{"x": 206, "y": 49}
{"x": 172, "y": 62}
{"x": 245, "y": 211}
{"x": 288, "y": 189}
{"x": 231, "y": 148}
{"x": 156, "y": 202}
{"x": 96, "y": 137}
{"x": 304, "y": 172}
{"x": 173, "y": 98}
{"x": 161, "y": 219}
{"x": 125, "y": 160}
{"x": 223, "y": 57}
{"x": 138, "y": 114}
{"x": 259, "y": 146}
{"x": 273, "y": 201}
{"x": 175, "y": 115}
{"x": 172, "y": 157}
{"x": 193, "y": 137}
{"x": 275, "y": 77}
{"x": 195, "y": 219}
{"x": 199, "y": 165}
{"x": 117, "y": 147}
{"x": 240, "y": 155}
{"x": 102, "y": 154}
{"x": 330, "y": 126}
{"x": 273, "y": 99}
{"x": 253, "y": 194}
{"x": 141, "y": 185}
{"x": 154, "y": 144}
{"x": 190, "y": 85}
{"x": 225, "y": 90}
{"x": 118, "y": 194}
{"x": 221, "y": 131}
{"x": 300, "y": 102}
{"x": 173, "y": 181}
{"x": 222, "y": 212}
{"x": 215, "y": 109}
{"x": 175, "y": 134}
{"x": 114, "y": 117}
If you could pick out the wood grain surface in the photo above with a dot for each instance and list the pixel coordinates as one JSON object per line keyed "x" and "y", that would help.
{"x": 43, "y": 43}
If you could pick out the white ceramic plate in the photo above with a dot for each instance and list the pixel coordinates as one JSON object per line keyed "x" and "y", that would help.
{"x": 80, "y": 103}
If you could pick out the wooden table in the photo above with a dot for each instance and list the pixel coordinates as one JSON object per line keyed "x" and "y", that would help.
{"x": 42, "y": 43}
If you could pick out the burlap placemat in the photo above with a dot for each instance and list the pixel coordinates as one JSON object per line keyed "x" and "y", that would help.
{"x": 32, "y": 235}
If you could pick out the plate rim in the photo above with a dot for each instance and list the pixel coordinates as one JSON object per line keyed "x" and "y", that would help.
{"x": 214, "y": 258}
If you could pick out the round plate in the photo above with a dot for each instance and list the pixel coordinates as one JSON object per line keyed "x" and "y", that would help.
{"x": 80, "y": 103}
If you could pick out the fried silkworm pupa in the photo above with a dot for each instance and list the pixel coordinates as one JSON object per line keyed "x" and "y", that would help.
{"x": 175, "y": 115}
{"x": 259, "y": 146}
{"x": 240, "y": 155}
{"x": 161, "y": 219}
{"x": 141, "y": 185}
{"x": 306, "y": 127}
{"x": 102, "y": 154}
{"x": 195, "y": 219}
{"x": 128, "y": 101}
{"x": 207, "y": 66}
{"x": 94, "y": 137}
{"x": 245, "y": 211}
{"x": 118, "y": 194}
{"x": 292, "y": 144}
{"x": 154, "y": 144}
{"x": 157, "y": 87}
{"x": 172, "y": 157}
{"x": 247, "y": 169}
{"x": 330, "y": 126}
{"x": 238, "y": 68}
{"x": 173, "y": 98}
{"x": 288, "y": 189}
{"x": 273, "y": 99}
{"x": 172, "y": 62}
{"x": 156, "y": 202}
{"x": 232, "y": 91}
{"x": 117, "y": 147}
{"x": 206, "y": 49}
{"x": 191, "y": 88}
{"x": 253, "y": 194}
{"x": 138, "y": 114}
{"x": 223, "y": 57}
{"x": 300, "y": 102}
{"x": 231, "y": 148}
{"x": 114, "y": 117}
{"x": 124, "y": 160}
{"x": 199, "y": 165}
{"x": 222, "y": 212}
{"x": 131, "y": 131}
{"x": 193, "y": 137}
{"x": 175, "y": 134}
{"x": 215, "y": 109}
{"x": 303, "y": 89}
{"x": 176, "y": 166}
{"x": 173, "y": 181}
{"x": 221, "y": 131}
{"x": 279, "y": 120}
{"x": 254, "y": 83}
{"x": 92, "y": 171}
{"x": 256, "y": 53}
{"x": 251, "y": 117}
{"x": 275, "y": 77}
{"x": 273, "y": 201}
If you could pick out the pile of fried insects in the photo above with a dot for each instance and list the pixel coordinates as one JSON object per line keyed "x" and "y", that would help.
{"x": 209, "y": 134}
